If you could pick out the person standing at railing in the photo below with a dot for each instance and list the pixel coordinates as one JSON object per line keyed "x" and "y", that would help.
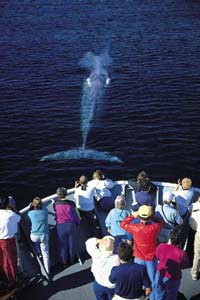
{"x": 143, "y": 197}
{"x": 169, "y": 214}
{"x": 183, "y": 197}
{"x": 147, "y": 188}
{"x": 103, "y": 196}
{"x": 67, "y": 221}
{"x": 38, "y": 216}
{"x": 12, "y": 206}
{"x": 84, "y": 199}
{"x": 9, "y": 221}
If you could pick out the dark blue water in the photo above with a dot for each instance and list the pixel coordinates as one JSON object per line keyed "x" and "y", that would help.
{"x": 149, "y": 116}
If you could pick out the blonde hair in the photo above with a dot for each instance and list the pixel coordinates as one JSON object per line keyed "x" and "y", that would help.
{"x": 106, "y": 244}
{"x": 37, "y": 203}
{"x": 186, "y": 183}
{"x": 83, "y": 180}
{"x": 98, "y": 174}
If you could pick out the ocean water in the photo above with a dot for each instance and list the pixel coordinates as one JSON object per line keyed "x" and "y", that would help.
{"x": 149, "y": 115}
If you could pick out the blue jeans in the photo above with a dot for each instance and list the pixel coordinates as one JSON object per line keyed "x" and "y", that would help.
{"x": 67, "y": 237}
{"x": 165, "y": 288}
{"x": 151, "y": 269}
{"x": 102, "y": 292}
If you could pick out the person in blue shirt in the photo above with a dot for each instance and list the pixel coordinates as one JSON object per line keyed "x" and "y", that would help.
{"x": 38, "y": 216}
{"x": 143, "y": 196}
{"x": 129, "y": 277}
{"x": 113, "y": 219}
{"x": 169, "y": 214}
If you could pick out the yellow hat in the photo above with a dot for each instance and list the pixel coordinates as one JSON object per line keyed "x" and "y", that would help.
{"x": 144, "y": 211}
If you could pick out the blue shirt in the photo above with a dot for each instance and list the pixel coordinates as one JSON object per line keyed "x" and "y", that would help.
{"x": 143, "y": 198}
{"x": 129, "y": 279}
{"x": 169, "y": 214}
{"x": 115, "y": 216}
{"x": 39, "y": 221}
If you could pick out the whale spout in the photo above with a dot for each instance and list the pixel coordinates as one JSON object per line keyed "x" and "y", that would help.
{"x": 80, "y": 153}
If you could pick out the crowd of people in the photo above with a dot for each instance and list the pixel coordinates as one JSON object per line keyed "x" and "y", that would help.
{"x": 140, "y": 252}
{"x": 143, "y": 253}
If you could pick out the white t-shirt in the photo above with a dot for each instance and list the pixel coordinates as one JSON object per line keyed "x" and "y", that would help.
{"x": 84, "y": 198}
{"x": 8, "y": 223}
{"x": 102, "y": 187}
{"x": 183, "y": 199}
{"x": 102, "y": 263}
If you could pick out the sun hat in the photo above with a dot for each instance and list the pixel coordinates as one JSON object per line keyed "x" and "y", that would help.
{"x": 144, "y": 211}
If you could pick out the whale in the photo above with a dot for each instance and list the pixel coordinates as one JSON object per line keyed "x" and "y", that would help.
{"x": 80, "y": 153}
{"x": 93, "y": 90}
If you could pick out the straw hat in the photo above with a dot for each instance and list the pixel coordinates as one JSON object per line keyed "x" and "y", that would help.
{"x": 144, "y": 211}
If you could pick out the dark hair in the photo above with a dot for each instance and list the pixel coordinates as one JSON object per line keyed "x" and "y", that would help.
{"x": 83, "y": 180}
{"x": 141, "y": 176}
{"x": 145, "y": 185}
{"x": 125, "y": 252}
{"x": 61, "y": 192}
{"x": 4, "y": 200}
{"x": 176, "y": 236}
{"x": 37, "y": 203}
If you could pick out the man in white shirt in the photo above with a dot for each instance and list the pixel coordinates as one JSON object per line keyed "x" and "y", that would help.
{"x": 84, "y": 199}
{"x": 103, "y": 260}
{"x": 183, "y": 195}
{"x": 103, "y": 188}
{"x": 168, "y": 212}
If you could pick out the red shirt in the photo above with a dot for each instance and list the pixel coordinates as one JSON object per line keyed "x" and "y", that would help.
{"x": 145, "y": 237}
{"x": 171, "y": 260}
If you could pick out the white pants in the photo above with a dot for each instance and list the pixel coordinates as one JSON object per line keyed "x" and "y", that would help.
{"x": 116, "y": 297}
{"x": 43, "y": 242}
{"x": 19, "y": 259}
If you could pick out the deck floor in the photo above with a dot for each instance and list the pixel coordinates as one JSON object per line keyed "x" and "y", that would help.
{"x": 75, "y": 283}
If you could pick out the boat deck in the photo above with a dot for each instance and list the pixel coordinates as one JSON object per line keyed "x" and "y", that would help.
{"x": 75, "y": 281}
